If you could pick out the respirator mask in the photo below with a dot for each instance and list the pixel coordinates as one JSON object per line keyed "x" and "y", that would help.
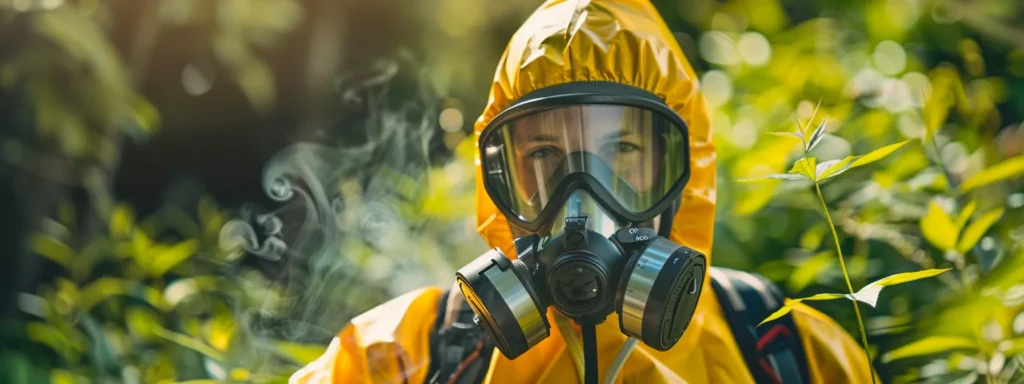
{"x": 583, "y": 171}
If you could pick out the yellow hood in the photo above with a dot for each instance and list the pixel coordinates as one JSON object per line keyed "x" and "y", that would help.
{"x": 620, "y": 41}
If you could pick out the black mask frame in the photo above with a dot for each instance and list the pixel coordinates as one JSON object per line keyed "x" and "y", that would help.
{"x": 579, "y": 93}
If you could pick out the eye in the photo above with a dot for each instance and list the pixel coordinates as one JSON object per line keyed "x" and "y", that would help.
{"x": 621, "y": 148}
{"x": 542, "y": 153}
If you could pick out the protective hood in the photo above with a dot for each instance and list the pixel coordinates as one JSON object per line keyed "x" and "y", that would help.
{"x": 618, "y": 41}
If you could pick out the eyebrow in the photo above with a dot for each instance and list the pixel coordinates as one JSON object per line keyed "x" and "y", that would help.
{"x": 618, "y": 134}
{"x": 543, "y": 137}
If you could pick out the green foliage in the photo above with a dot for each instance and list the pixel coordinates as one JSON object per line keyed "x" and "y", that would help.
{"x": 155, "y": 299}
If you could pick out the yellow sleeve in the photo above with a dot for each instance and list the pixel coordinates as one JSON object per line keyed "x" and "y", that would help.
{"x": 833, "y": 355}
{"x": 388, "y": 344}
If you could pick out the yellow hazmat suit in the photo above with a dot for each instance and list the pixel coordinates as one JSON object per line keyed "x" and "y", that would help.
{"x": 623, "y": 41}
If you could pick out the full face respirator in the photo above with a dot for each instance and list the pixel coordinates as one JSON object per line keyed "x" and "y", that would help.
{"x": 585, "y": 171}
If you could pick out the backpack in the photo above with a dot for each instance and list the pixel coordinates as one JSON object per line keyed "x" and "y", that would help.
{"x": 460, "y": 353}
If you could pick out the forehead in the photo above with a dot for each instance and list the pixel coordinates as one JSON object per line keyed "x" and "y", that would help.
{"x": 592, "y": 120}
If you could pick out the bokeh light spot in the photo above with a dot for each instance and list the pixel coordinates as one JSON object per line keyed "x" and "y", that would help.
{"x": 754, "y": 49}
{"x": 450, "y": 119}
{"x": 889, "y": 57}
{"x": 718, "y": 48}
{"x": 195, "y": 81}
{"x": 717, "y": 87}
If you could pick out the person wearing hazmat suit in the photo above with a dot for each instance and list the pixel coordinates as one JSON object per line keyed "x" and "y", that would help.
{"x": 596, "y": 188}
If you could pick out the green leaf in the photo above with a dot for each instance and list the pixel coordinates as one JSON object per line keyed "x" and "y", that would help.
{"x": 122, "y": 220}
{"x": 938, "y": 228}
{"x": 141, "y": 323}
{"x": 805, "y": 167}
{"x": 928, "y": 346}
{"x": 220, "y": 330}
{"x": 965, "y": 214}
{"x": 170, "y": 257}
{"x": 69, "y": 346}
{"x": 793, "y": 302}
{"x": 877, "y": 154}
{"x": 51, "y": 248}
{"x": 785, "y": 134}
{"x": 105, "y": 288}
{"x": 835, "y": 167}
{"x": 188, "y": 342}
{"x": 936, "y": 108}
{"x": 905, "y": 277}
{"x": 816, "y": 136}
{"x": 977, "y": 229}
{"x": 783, "y": 176}
{"x": 869, "y": 294}
{"x": 302, "y": 354}
{"x": 1004, "y": 170}
{"x": 1016, "y": 347}
{"x": 181, "y": 289}
{"x": 140, "y": 251}
{"x": 808, "y": 270}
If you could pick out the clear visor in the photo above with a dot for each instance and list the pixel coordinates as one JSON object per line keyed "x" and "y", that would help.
{"x": 635, "y": 155}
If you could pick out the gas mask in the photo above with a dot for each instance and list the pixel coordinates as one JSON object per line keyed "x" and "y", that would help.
{"x": 583, "y": 170}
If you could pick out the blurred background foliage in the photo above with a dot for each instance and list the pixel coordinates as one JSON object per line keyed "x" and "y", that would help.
{"x": 210, "y": 189}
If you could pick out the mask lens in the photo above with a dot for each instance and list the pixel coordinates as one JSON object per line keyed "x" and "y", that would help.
{"x": 634, "y": 154}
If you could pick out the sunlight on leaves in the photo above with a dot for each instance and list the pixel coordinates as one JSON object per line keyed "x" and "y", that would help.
{"x": 965, "y": 214}
{"x": 168, "y": 257}
{"x": 122, "y": 220}
{"x": 869, "y": 294}
{"x": 851, "y": 162}
{"x": 1006, "y": 169}
{"x": 936, "y": 107}
{"x": 788, "y": 134}
{"x": 808, "y": 270}
{"x": 928, "y": 346}
{"x": 877, "y": 154}
{"x": 188, "y": 342}
{"x": 105, "y": 288}
{"x": 834, "y": 168}
{"x": 938, "y": 227}
{"x": 141, "y": 323}
{"x": 791, "y": 303}
{"x": 300, "y": 353}
{"x": 782, "y": 176}
{"x": 69, "y": 346}
{"x": 805, "y": 167}
{"x": 182, "y": 289}
{"x": 219, "y": 330}
{"x": 51, "y": 248}
{"x": 977, "y": 229}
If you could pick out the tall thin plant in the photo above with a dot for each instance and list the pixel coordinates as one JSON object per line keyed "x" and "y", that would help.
{"x": 808, "y": 168}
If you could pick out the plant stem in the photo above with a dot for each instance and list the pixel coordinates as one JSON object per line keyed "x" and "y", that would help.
{"x": 846, "y": 277}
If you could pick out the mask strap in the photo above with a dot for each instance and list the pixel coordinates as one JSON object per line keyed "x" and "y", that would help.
{"x": 665, "y": 218}
{"x": 589, "y": 353}
{"x": 572, "y": 342}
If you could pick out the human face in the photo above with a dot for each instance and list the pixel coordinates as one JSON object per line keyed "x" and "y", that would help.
{"x": 622, "y": 138}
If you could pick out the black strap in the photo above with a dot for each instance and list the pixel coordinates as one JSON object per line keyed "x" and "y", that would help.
{"x": 773, "y": 352}
{"x": 452, "y": 346}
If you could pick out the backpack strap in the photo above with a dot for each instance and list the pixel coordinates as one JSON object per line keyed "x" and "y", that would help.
{"x": 459, "y": 350}
{"x": 773, "y": 352}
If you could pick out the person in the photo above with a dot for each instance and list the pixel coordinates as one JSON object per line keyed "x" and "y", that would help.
{"x": 594, "y": 111}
